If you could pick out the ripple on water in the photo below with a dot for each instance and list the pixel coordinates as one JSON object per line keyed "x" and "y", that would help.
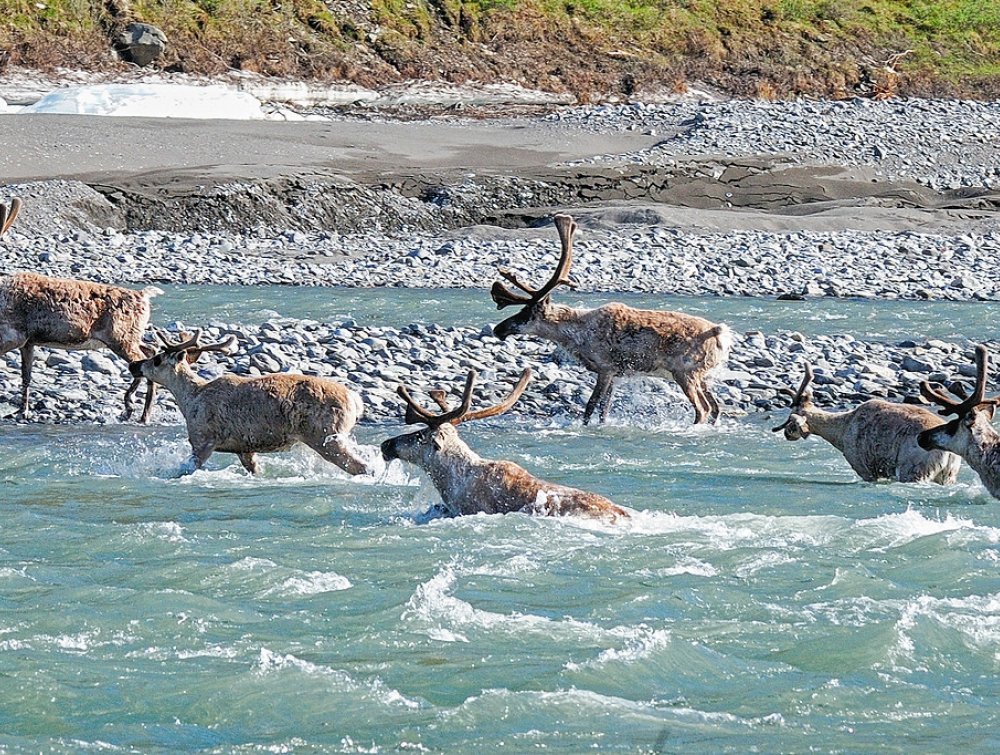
{"x": 307, "y": 604}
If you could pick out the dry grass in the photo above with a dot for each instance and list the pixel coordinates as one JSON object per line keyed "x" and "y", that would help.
{"x": 774, "y": 48}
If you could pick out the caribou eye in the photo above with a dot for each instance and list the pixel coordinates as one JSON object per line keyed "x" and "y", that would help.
{"x": 157, "y": 360}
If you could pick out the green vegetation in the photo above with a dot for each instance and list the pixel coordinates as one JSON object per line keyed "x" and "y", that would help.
{"x": 770, "y": 47}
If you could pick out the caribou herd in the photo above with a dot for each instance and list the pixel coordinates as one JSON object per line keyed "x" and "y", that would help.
{"x": 250, "y": 415}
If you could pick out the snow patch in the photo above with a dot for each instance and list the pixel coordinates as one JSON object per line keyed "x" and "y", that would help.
{"x": 151, "y": 101}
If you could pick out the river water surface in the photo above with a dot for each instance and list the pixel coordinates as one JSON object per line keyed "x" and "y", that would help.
{"x": 760, "y": 596}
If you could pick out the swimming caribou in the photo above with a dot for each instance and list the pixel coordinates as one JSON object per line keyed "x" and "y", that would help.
{"x": 878, "y": 438}
{"x": 64, "y": 313}
{"x": 616, "y": 340}
{"x": 971, "y": 434}
{"x": 470, "y": 484}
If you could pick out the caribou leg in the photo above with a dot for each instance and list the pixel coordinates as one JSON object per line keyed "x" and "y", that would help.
{"x": 604, "y": 382}
{"x": 691, "y": 390}
{"x": 27, "y": 360}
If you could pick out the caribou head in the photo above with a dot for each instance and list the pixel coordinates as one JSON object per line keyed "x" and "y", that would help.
{"x": 175, "y": 356}
{"x": 973, "y": 413}
{"x": 440, "y": 437}
{"x": 797, "y": 426}
{"x": 534, "y": 302}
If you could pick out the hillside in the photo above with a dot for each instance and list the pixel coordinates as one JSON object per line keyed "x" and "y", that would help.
{"x": 592, "y": 48}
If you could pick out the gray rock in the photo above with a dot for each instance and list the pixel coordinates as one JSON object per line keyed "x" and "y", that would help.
{"x": 141, "y": 44}
{"x": 96, "y": 362}
{"x": 915, "y": 365}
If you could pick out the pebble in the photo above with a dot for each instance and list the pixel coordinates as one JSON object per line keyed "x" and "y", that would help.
{"x": 87, "y": 387}
{"x": 631, "y": 258}
{"x": 943, "y": 144}
{"x": 896, "y": 138}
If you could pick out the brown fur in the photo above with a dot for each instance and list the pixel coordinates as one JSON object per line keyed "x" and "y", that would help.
{"x": 250, "y": 415}
{"x": 469, "y": 484}
{"x": 62, "y": 313}
{"x": 616, "y": 340}
{"x": 878, "y": 439}
{"x": 971, "y": 434}
{"x": 973, "y": 437}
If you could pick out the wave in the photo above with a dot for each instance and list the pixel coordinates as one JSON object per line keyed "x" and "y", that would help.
{"x": 270, "y": 662}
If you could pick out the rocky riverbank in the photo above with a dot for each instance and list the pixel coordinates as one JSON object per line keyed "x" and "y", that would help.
{"x": 943, "y": 144}
{"x": 652, "y": 259}
{"x": 88, "y": 386}
{"x": 934, "y": 238}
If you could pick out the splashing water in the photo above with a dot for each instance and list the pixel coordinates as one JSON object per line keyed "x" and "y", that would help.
{"x": 308, "y": 610}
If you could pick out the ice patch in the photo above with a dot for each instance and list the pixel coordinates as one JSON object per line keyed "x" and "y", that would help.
{"x": 151, "y": 101}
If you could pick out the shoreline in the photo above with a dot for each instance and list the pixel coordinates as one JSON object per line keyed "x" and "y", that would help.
{"x": 782, "y": 208}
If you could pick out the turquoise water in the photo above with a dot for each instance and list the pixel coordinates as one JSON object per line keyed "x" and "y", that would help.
{"x": 760, "y": 597}
{"x": 881, "y": 320}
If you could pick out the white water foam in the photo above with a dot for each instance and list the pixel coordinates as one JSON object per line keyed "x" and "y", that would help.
{"x": 438, "y": 612}
{"x": 893, "y": 530}
{"x": 446, "y": 618}
{"x": 976, "y": 618}
{"x": 269, "y": 662}
{"x": 685, "y": 565}
{"x": 310, "y": 583}
{"x": 638, "y": 644}
{"x": 170, "y": 532}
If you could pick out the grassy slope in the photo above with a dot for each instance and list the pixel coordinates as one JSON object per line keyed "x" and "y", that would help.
{"x": 771, "y": 48}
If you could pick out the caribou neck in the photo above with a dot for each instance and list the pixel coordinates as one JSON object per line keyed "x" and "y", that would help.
{"x": 560, "y": 324}
{"x": 983, "y": 455}
{"x": 184, "y": 385}
{"x": 830, "y": 426}
{"x": 452, "y": 469}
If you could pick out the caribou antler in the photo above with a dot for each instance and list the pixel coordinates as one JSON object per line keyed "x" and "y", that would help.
{"x": 192, "y": 344}
{"x": 7, "y": 216}
{"x": 967, "y": 403}
{"x": 505, "y": 297}
{"x": 796, "y": 396}
{"x": 416, "y": 414}
{"x": 504, "y": 405}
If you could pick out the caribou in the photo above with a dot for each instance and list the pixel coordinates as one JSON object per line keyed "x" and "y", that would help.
{"x": 616, "y": 340}
{"x": 250, "y": 415}
{"x": 878, "y": 438}
{"x": 64, "y": 313}
{"x": 971, "y": 434}
{"x": 470, "y": 484}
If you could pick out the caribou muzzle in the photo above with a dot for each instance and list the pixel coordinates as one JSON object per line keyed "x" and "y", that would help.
{"x": 388, "y": 448}
{"x": 512, "y": 325}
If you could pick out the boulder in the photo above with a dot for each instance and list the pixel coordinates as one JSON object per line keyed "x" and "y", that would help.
{"x": 141, "y": 43}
